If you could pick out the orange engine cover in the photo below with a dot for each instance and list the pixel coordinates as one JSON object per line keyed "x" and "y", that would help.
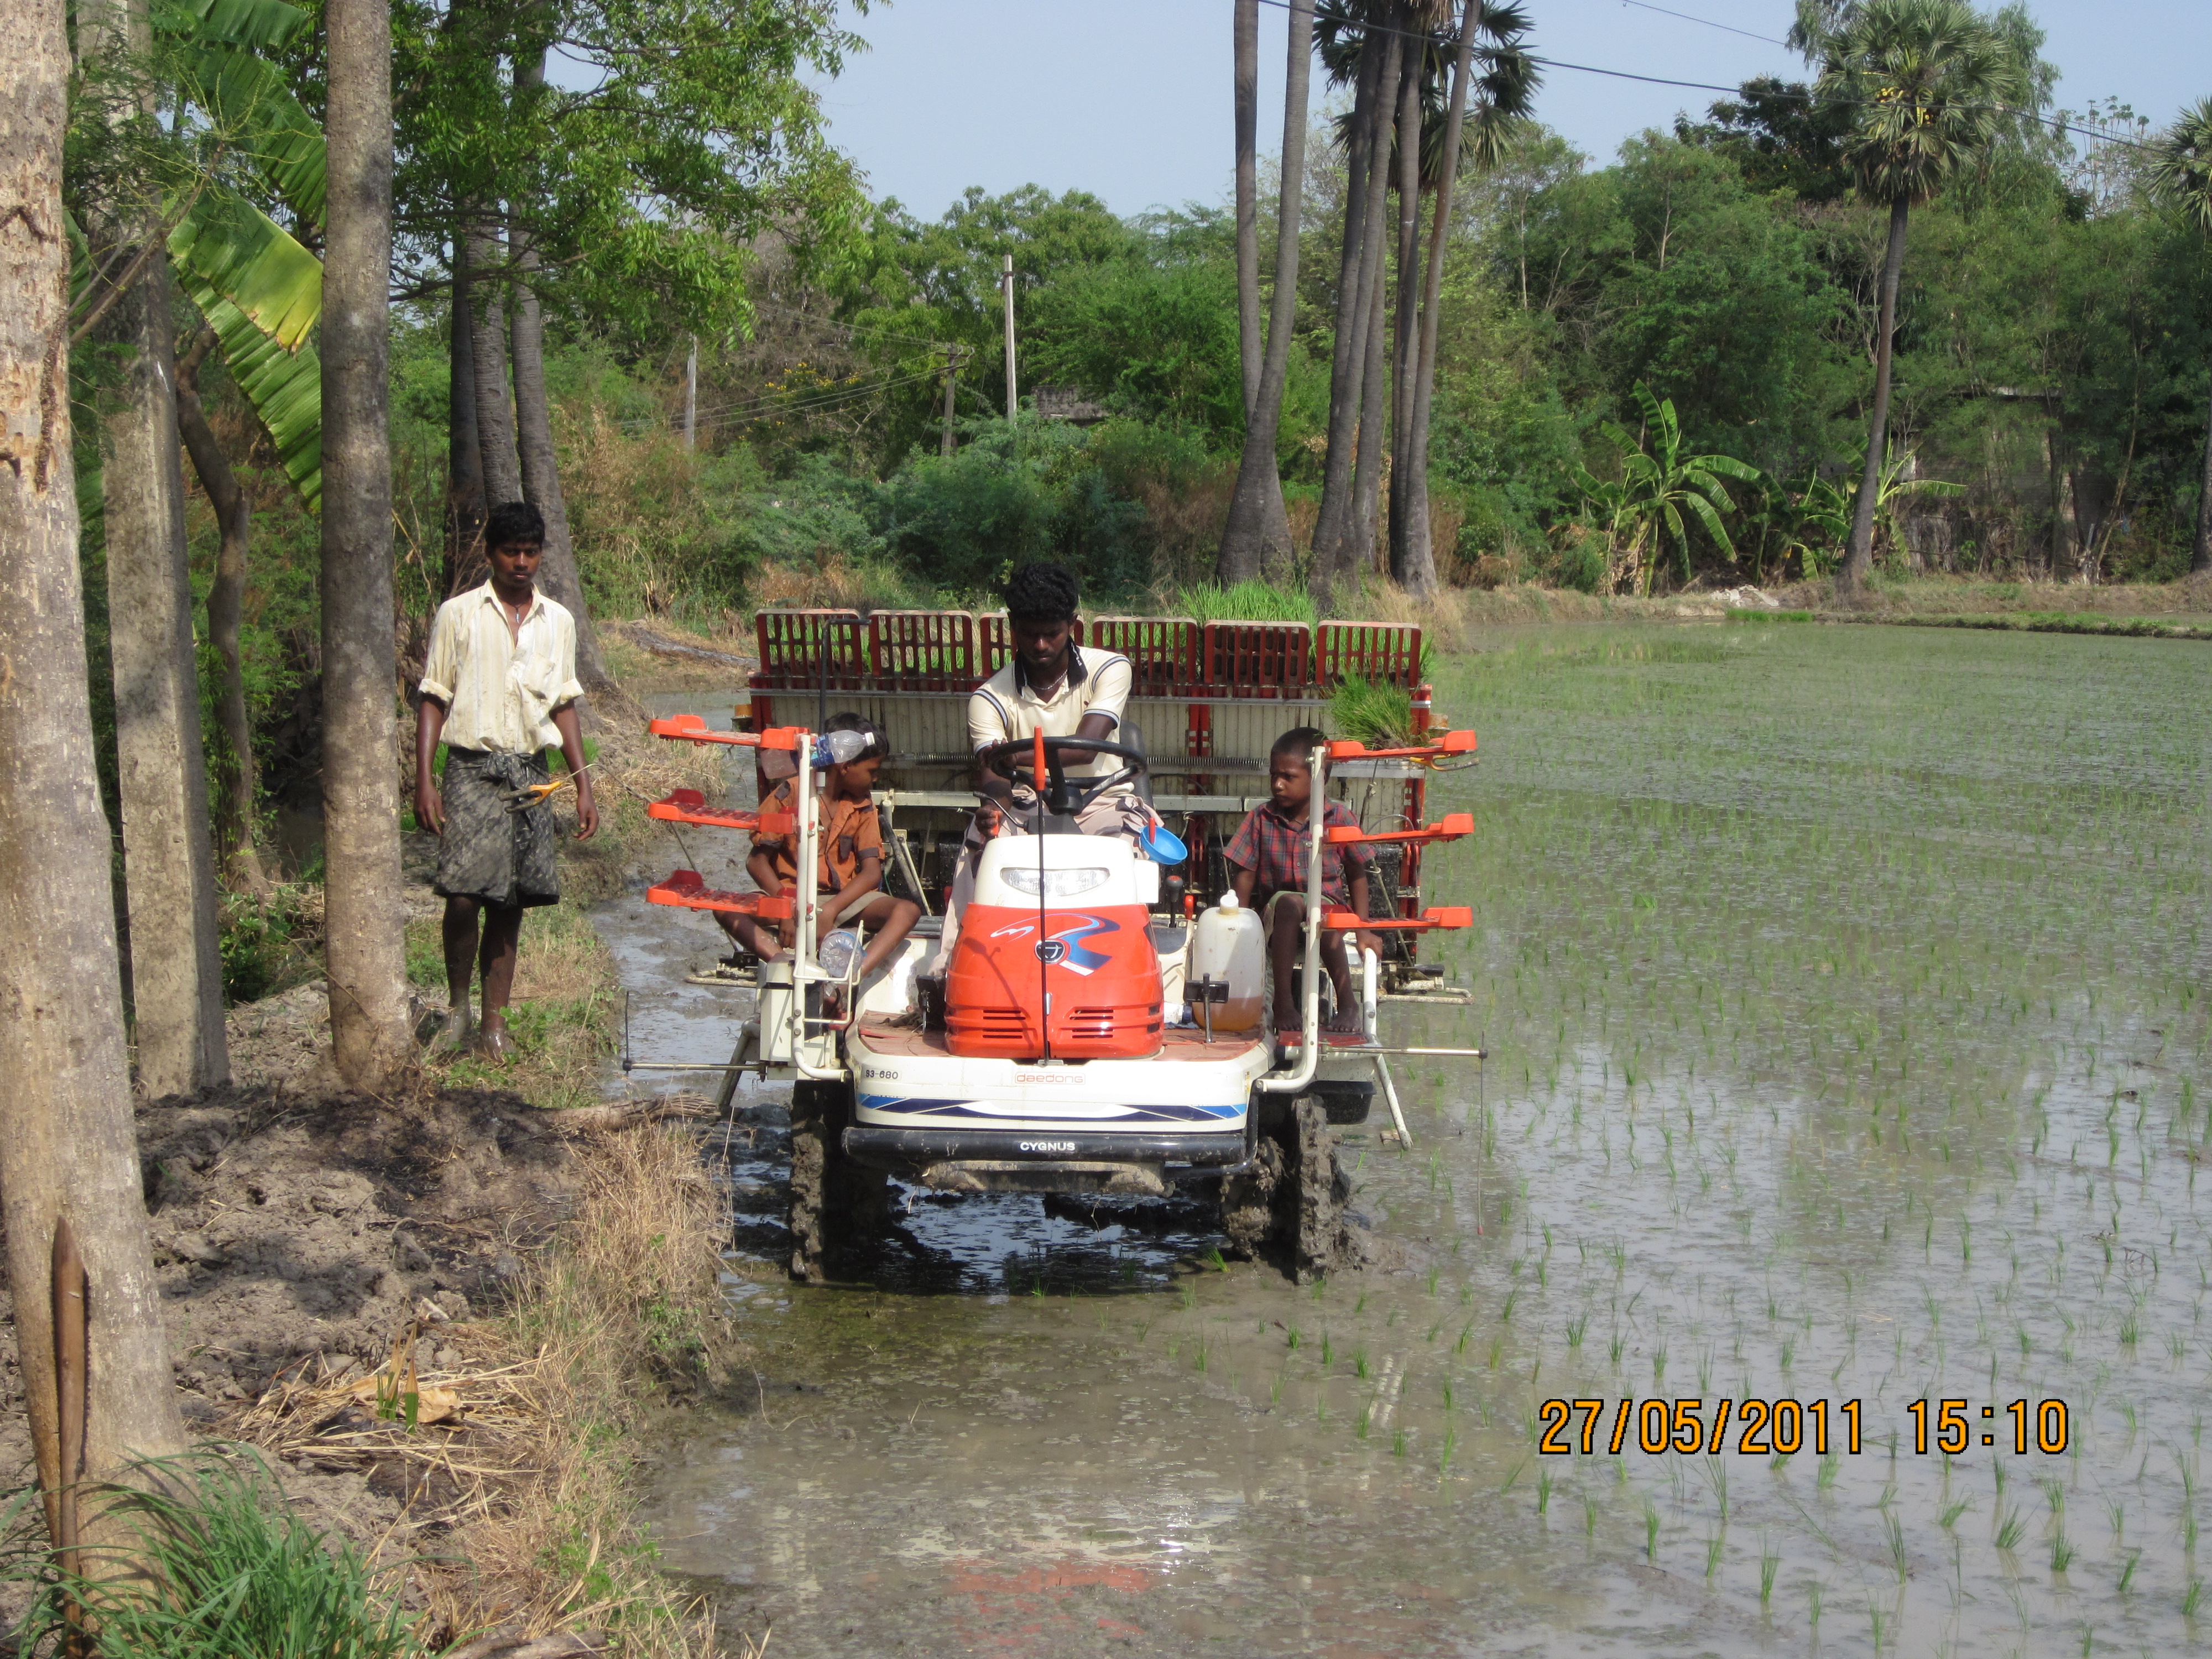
{"x": 1104, "y": 987}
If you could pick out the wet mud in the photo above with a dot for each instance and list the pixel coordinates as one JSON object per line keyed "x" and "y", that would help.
{"x": 1846, "y": 992}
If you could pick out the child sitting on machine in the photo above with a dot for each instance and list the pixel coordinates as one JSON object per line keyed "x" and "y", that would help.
{"x": 851, "y": 867}
{"x": 1267, "y": 859}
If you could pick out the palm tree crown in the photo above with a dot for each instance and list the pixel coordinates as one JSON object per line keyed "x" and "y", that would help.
{"x": 1934, "y": 83}
{"x": 2181, "y": 165}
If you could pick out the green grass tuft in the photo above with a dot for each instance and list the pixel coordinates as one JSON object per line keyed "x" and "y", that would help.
{"x": 245, "y": 1577}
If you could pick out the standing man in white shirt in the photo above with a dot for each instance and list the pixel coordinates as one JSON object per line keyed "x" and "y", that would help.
{"x": 1050, "y": 684}
{"x": 499, "y": 688}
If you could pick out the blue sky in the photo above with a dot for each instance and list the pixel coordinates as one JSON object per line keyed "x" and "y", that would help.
{"x": 1130, "y": 99}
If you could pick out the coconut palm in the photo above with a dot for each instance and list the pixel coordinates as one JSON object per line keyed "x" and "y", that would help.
{"x": 1934, "y": 85}
{"x": 1427, "y": 98}
{"x": 2181, "y": 174}
{"x": 1507, "y": 86}
{"x": 1257, "y": 540}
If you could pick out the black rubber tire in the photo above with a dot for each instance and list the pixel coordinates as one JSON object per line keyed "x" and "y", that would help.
{"x": 1344, "y": 1101}
{"x": 1289, "y": 1206}
{"x": 833, "y": 1200}
{"x": 1318, "y": 1193}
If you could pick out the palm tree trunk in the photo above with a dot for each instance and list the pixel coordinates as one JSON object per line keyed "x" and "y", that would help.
{"x": 168, "y": 845}
{"x": 68, "y": 1148}
{"x": 541, "y": 472}
{"x": 1374, "y": 420}
{"x": 363, "y": 954}
{"x": 1245, "y": 42}
{"x": 502, "y": 470}
{"x": 2203, "y": 561}
{"x": 1420, "y": 554}
{"x": 1252, "y": 544}
{"x": 1408, "y": 345}
{"x": 1336, "y": 533}
{"x": 464, "y": 479}
{"x": 540, "y": 465}
{"x": 233, "y": 517}
{"x": 1858, "y": 561}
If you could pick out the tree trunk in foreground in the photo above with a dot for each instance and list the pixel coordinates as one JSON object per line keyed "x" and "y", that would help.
{"x": 67, "y": 1144}
{"x": 1257, "y": 540}
{"x": 1374, "y": 90}
{"x": 168, "y": 847}
{"x": 465, "y": 480}
{"x": 363, "y": 954}
{"x": 1421, "y": 547}
{"x": 234, "y": 515}
{"x": 1858, "y": 561}
{"x": 2203, "y": 561}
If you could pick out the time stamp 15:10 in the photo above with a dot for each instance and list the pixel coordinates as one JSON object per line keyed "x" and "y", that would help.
{"x": 1783, "y": 1428}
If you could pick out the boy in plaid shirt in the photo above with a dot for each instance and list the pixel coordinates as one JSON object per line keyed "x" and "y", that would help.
{"x": 1267, "y": 856}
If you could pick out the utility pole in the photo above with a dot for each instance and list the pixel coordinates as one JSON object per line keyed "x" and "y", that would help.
{"x": 952, "y": 355}
{"x": 691, "y": 396}
{"x": 1007, "y": 283}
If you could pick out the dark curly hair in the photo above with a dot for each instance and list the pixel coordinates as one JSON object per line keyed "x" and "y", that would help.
{"x": 512, "y": 523}
{"x": 1038, "y": 592}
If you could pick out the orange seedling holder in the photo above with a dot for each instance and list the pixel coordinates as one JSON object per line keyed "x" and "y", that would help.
{"x": 1450, "y": 915}
{"x": 1452, "y": 827}
{"x": 687, "y": 890}
{"x": 692, "y": 728}
{"x": 1447, "y": 742}
{"x": 689, "y": 807}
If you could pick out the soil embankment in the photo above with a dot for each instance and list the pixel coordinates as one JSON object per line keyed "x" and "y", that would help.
{"x": 538, "y": 1281}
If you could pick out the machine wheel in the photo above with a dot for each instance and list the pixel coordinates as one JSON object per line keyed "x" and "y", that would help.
{"x": 1317, "y": 1194}
{"x": 1344, "y": 1101}
{"x": 1248, "y": 1201}
{"x": 1289, "y": 1204}
{"x": 832, "y": 1197}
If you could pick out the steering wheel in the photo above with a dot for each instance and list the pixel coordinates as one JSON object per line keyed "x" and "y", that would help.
{"x": 1065, "y": 796}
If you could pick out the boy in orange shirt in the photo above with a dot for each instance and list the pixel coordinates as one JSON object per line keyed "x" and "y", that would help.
{"x": 851, "y": 838}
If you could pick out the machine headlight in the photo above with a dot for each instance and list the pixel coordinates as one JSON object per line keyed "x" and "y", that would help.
{"x": 1057, "y": 884}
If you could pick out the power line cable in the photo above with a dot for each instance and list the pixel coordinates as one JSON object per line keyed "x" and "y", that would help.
{"x": 1646, "y": 5}
{"x": 1809, "y": 96}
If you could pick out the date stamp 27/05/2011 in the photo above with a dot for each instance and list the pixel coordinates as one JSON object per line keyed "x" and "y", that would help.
{"x": 1785, "y": 1427}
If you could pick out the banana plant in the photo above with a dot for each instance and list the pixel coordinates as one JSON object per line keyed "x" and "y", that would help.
{"x": 259, "y": 289}
{"x": 1646, "y": 507}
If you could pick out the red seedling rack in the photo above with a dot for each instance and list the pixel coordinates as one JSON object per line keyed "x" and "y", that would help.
{"x": 687, "y": 890}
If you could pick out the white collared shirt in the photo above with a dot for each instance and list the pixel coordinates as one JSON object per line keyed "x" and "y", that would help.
{"x": 1006, "y": 706}
{"x": 501, "y": 689}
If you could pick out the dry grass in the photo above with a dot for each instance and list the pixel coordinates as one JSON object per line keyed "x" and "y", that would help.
{"x": 523, "y": 1501}
{"x": 837, "y": 582}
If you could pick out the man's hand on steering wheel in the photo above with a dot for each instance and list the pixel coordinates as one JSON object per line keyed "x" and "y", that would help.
{"x": 1067, "y": 796}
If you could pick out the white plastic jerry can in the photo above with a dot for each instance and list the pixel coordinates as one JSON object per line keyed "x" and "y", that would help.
{"x": 1230, "y": 944}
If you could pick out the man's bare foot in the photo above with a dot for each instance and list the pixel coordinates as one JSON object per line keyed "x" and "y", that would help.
{"x": 1345, "y": 1021}
{"x": 1289, "y": 1021}
{"x": 494, "y": 1044}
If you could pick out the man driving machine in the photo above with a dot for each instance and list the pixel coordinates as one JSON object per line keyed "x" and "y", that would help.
{"x": 1054, "y": 686}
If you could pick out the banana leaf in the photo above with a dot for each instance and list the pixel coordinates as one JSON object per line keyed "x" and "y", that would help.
{"x": 231, "y": 247}
{"x": 249, "y": 100}
{"x": 257, "y": 25}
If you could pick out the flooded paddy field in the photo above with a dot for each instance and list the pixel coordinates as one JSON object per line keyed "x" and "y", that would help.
{"x": 1846, "y": 992}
